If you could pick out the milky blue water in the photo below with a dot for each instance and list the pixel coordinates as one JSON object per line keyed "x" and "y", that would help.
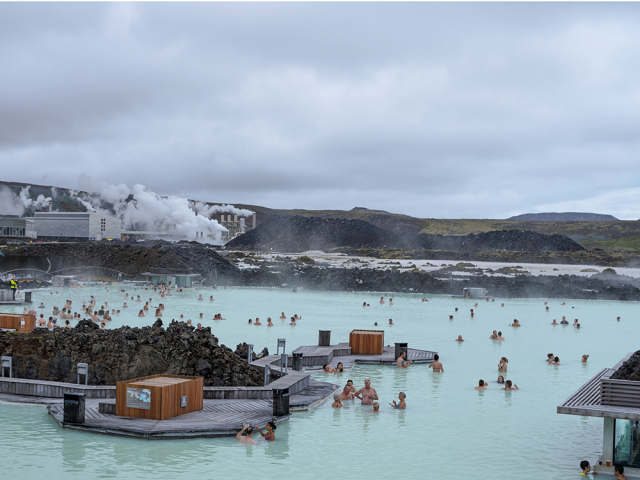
{"x": 448, "y": 431}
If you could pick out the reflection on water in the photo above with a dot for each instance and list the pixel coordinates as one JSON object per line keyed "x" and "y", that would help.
{"x": 491, "y": 434}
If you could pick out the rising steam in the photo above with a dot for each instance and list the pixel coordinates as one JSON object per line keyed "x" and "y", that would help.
{"x": 143, "y": 210}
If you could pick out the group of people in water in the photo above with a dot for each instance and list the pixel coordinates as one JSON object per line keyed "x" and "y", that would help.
{"x": 283, "y": 317}
{"x": 367, "y": 396}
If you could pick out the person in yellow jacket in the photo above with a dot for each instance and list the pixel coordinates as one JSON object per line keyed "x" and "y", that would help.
{"x": 14, "y": 287}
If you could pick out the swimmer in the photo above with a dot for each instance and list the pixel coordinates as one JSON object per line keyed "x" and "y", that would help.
{"x": 556, "y": 361}
{"x": 481, "y": 385}
{"x": 269, "y": 436}
{"x": 146, "y": 306}
{"x": 502, "y": 366}
{"x": 269, "y": 324}
{"x": 42, "y": 304}
{"x": 244, "y": 435}
{"x": 125, "y": 305}
{"x": 340, "y": 368}
{"x": 585, "y": 358}
{"x": 549, "y": 357}
{"x": 391, "y": 302}
{"x": 326, "y": 368}
{"x": 283, "y": 316}
{"x": 257, "y": 322}
{"x": 494, "y": 335}
{"x": 402, "y": 404}
{"x": 336, "y": 401}
{"x": 201, "y": 315}
{"x": 554, "y": 322}
{"x": 293, "y": 322}
{"x": 189, "y": 322}
{"x": 459, "y": 339}
{"x": 450, "y": 317}
{"x": 375, "y": 324}
{"x": 618, "y": 471}
{"x": 508, "y": 385}
{"x": 515, "y": 323}
{"x": 436, "y": 365}
{"x": 368, "y": 393}
{"x": 250, "y": 321}
{"x": 346, "y": 393}
{"x": 500, "y": 337}
{"x": 67, "y": 324}
{"x": 199, "y": 326}
{"x": 577, "y": 325}
{"x": 618, "y": 319}
{"x": 547, "y": 309}
{"x": 376, "y": 407}
{"x": 211, "y": 298}
{"x": 200, "y": 299}
{"x": 297, "y": 317}
{"x": 350, "y": 384}
{"x": 456, "y": 309}
{"x": 391, "y": 322}
{"x": 575, "y": 322}
{"x": 364, "y": 304}
{"x": 401, "y": 360}
{"x": 158, "y": 312}
{"x": 381, "y": 299}
{"x": 500, "y": 379}
{"x": 564, "y": 321}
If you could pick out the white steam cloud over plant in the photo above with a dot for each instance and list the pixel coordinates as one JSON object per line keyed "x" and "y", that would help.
{"x": 141, "y": 209}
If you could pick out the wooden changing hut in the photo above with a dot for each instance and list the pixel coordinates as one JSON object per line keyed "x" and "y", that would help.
{"x": 159, "y": 397}
{"x": 17, "y": 322}
{"x": 367, "y": 342}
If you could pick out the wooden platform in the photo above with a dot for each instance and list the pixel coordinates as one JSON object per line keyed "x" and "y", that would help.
{"x": 217, "y": 418}
{"x": 313, "y": 357}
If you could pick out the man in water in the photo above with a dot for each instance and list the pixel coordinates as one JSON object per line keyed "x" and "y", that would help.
{"x": 459, "y": 339}
{"x": 500, "y": 337}
{"x": 368, "y": 393}
{"x": 401, "y": 361}
{"x": 390, "y": 322}
{"x": 346, "y": 393}
{"x": 436, "y": 365}
{"x": 494, "y": 335}
{"x": 564, "y": 321}
{"x": 585, "y": 467}
{"x": 618, "y": 471}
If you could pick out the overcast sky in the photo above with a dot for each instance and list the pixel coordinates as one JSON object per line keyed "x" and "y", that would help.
{"x": 432, "y": 110}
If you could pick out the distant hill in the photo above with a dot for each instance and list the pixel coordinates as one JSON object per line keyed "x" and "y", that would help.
{"x": 298, "y": 234}
{"x": 564, "y": 217}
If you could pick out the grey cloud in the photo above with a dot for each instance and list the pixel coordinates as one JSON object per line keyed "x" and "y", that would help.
{"x": 429, "y": 109}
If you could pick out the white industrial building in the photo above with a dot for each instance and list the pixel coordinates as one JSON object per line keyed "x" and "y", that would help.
{"x": 76, "y": 225}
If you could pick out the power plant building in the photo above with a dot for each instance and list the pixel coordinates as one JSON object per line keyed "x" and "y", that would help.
{"x": 76, "y": 225}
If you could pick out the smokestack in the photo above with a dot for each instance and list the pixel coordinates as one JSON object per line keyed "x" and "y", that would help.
{"x": 229, "y": 218}
{"x": 51, "y": 206}
{"x": 222, "y": 218}
{"x": 242, "y": 226}
{"x": 235, "y": 219}
{"x": 254, "y": 221}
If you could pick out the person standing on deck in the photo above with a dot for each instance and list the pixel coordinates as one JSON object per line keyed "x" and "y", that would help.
{"x": 14, "y": 287}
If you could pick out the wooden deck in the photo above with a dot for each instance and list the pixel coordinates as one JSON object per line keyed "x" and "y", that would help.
{"x": 587, "y": 401}
{"x": 313, "y": 357}
{"x": 217, "y": 418}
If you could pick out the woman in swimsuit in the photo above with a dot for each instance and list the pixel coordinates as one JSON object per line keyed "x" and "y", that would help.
{"x": 502, "y": 366}
{"x": 436, "y": 365}
{"x": 402, "y": 404}
{"x": 269, "y": 436}
{"x": 340, "y": 368}
{"x": 500, "y": 379}
{"x": 350, "y": 383}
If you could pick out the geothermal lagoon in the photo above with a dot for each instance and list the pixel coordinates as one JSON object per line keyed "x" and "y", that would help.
{"x": 449, "y": 430}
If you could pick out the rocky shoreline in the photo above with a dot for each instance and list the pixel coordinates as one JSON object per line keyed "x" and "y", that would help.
{"x": 124, "y": 353}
